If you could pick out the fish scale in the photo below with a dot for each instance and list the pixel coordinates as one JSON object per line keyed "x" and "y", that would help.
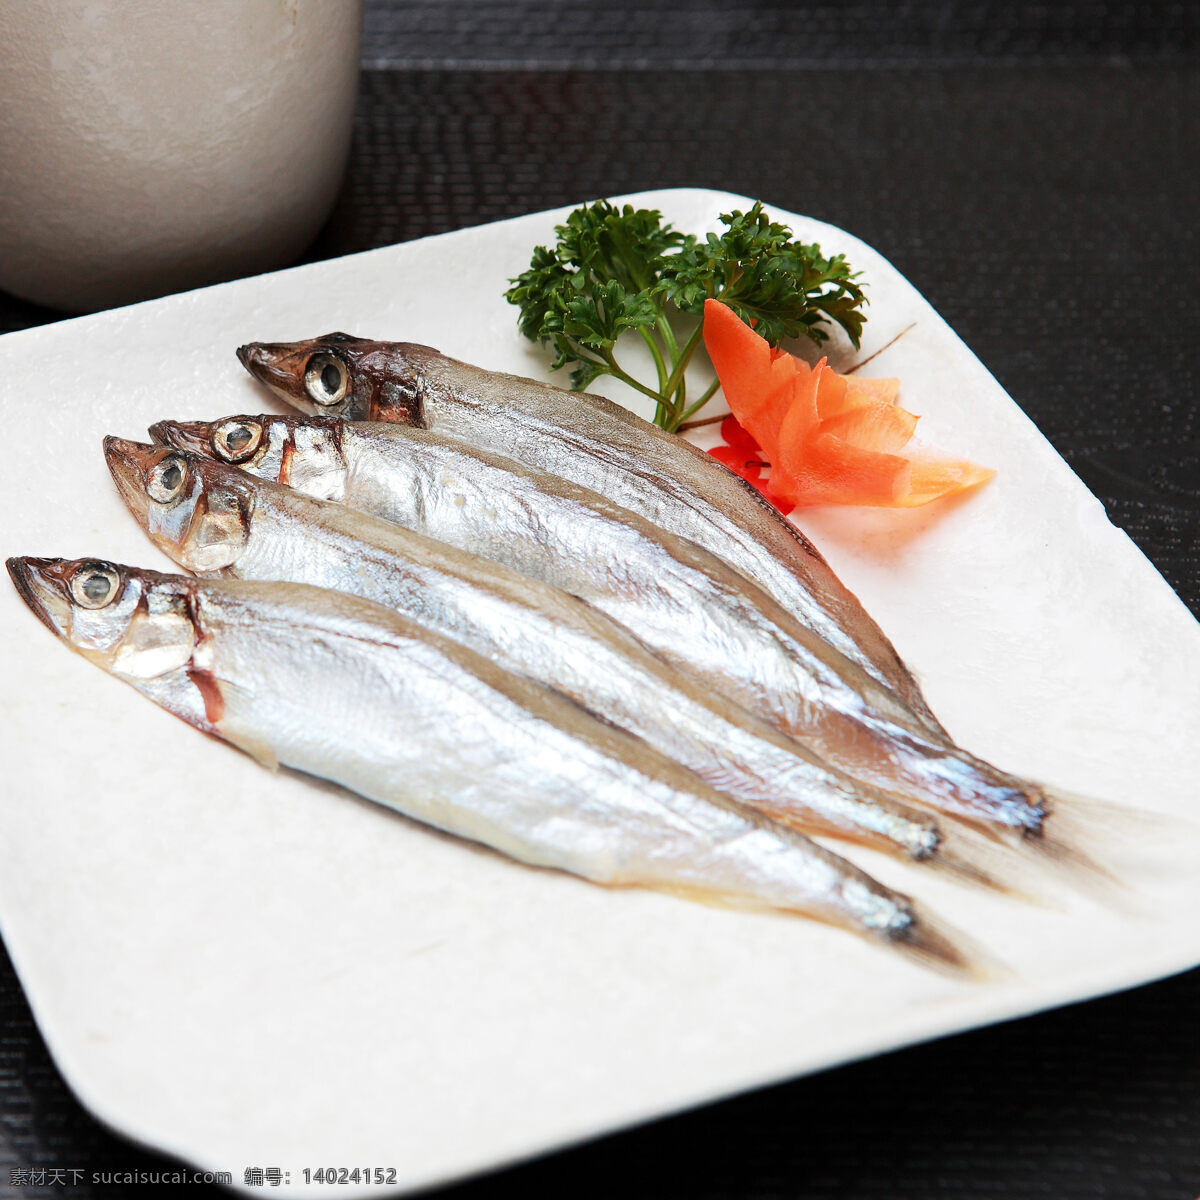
{"x": 429, "y": 728}
{"x": 521, "y": 623}
{"x": 598, "y": 444}
{"x": 687, "y": 606}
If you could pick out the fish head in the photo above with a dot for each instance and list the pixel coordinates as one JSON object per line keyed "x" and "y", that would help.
{"x": 194, "y": 510}
{"x": 356, "y": 379}
{"x": 305, "y": 453}
{"x": 134, "y": 623}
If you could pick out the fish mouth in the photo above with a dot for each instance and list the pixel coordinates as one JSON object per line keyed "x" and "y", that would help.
{"x": 130, "y": 464}
{"x": 42, "y": 583}
{"x": 192, "y": 436}
{"x": 278, "y": 365}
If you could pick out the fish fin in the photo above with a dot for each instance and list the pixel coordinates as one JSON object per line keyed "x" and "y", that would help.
{"x": 256, "y": 748}
{"x": 931, "y": 942}
{"x": 1067, "y": 847}
{"x": 1093, "y": 843}
{"x": 979, "y": 870}
{"x": 964, "y": 854}
{"x": 926, "y": 940}
{"x": 970, "y": 856}
{"x": 241, "y": 699}
{"x": 1095, "y": 821}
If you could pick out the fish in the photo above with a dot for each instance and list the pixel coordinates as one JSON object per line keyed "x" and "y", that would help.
{"x": 426, "y": 727}
{"x": 219, "y": 521}
{"x": 598, "y": 444}
{"x": 685, "y": 605}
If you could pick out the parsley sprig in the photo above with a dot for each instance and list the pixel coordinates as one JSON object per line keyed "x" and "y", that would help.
{"x": 620, "y": 271}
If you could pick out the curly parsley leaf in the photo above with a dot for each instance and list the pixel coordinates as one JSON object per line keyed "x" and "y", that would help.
{"x": 781, "y": 286}
{"x": 615, "y": 271}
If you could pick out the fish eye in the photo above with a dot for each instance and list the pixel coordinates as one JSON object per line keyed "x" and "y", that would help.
{"x": 95, "y": 584}
{"x": 167, "y": 479}
{"x": 326, "y": 379}
{"x": 236, "y": 441}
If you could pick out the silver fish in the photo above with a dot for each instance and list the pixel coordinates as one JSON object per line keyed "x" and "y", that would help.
{"x": 702, "y": 618}
{"x": 425, "y": 726}
{"x": 593, "y": 442}
{"x": 212, "y": 518}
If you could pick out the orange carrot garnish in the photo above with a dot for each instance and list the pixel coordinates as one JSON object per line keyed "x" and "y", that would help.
{"x": 829, "y": 438}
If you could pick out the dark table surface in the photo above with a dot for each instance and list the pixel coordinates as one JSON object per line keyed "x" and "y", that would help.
{"x": 1046, "y": 206}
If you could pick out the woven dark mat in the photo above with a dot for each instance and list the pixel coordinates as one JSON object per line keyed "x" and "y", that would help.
{"x": 769, "y": 34}
{"x": 1049, "y": 214}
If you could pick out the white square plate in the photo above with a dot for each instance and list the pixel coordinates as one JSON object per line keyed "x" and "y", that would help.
{"x": 254, "y": 970}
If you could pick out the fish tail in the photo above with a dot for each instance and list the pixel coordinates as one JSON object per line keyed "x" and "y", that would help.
{"x": 1090, "y": 842}
{"x": 961, "y": 853}
{"x": 931, "y": 942}
{"x": 968, "y": 854}
{"x": 1061, "y": 834}
{"x": 1081, "y": 868}
{"x": 978, "y": 861}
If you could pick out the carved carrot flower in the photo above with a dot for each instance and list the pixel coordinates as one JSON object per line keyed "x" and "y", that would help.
{"x": 829, "y": 438}
{"x": 743, "y": 455}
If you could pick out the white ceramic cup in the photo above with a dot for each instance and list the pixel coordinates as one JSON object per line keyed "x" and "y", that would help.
{"x": 147, "y": 146}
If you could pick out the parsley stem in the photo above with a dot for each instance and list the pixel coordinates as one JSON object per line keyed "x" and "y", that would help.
{"x": 615, "y": 270}
{"x": 685, "y": 356}
{"x": 678, "y": 401}
{"x": 659, "y": 365}
{"x": 700, "y": 422}
{"x": 709, "y": 393}
{"x": 668, "y": 336}
{"x": 625, "y": 377}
